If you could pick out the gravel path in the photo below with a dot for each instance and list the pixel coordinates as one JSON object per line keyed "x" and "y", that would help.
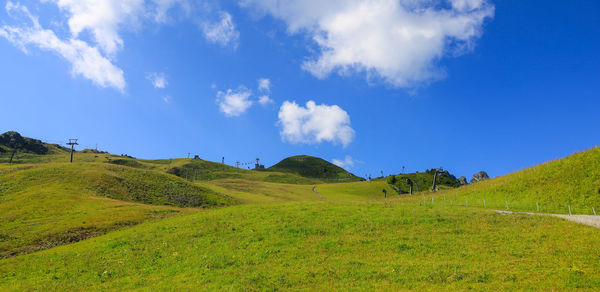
{"x": 590, "y": 220}
{"x": 315, "y": 191}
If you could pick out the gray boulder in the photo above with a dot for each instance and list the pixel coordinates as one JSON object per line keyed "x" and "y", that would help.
{"x": 462, "y": 181}
{"x": 480, "y": 176}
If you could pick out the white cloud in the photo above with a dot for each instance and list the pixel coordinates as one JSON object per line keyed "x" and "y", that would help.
{"x": 222, "y": 32}
{"x": 264, "y": 85}
{"x": 233, "y": 103}
{"x": 347, "y": 163}
{"x": 314, "y": 123}
{"x": 397, "y": 41}
{"x": 95, "y": 28}
{"x": 265, "y": 100}
{"x": 85, "y": 60}
{"x": 158, "y": 80}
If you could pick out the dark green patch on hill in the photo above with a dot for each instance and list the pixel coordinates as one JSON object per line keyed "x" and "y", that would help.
{"x": 422, "y": 181}
{"x": 313, "y": 167}
{"x": 11, "y": 141}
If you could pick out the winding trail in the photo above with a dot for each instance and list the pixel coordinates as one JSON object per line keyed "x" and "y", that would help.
{"x": 315, "y": 191}
{"x": 590, "y": 220}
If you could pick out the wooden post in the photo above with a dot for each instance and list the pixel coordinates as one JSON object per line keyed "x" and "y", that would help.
{"x": 450, "y": 202}
{"x": 570, "y": 210}
{"x": 483, "y": 203}
{"x": 432, "y": 200}
{"x": 467, "y": 204}
{"x": 506, "y": 201}
{"x": 594, "y": 210}
{"x": 537, "y": 206}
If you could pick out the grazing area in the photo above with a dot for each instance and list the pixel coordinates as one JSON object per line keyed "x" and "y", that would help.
{"x": 323, "y": 246}
{"x": 553, "y": 186}
{"x": 119, "y": 223}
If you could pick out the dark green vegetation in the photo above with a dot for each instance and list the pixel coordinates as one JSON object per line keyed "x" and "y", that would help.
{"x": 313, "y": 167}
{"x": 323, "y": 246}
{"x": 120, "y": 223}
{"x": 11, "y": 141}
{"x": 422, "y": 181}
{"x": 554, "y": 185}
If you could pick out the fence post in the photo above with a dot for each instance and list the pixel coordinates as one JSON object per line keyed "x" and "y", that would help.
{"x": 484, "y": 203}
{"x": 450, "y": 202}
{"x": 467, "y": 204}
{"x": 432, "y": 200}
{"x": 537, "y": 206}
{"x": 570, "y": 210}
{"x": 506, "y": 201}
{"x": 594, "y": 211}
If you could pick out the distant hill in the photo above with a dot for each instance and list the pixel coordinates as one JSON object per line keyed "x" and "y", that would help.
{"x": 313, "y": 167}
{"x": 11, "y": 140}
{"x": 422, "y": 181}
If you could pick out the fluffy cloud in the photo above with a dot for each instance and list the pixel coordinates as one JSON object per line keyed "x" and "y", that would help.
{"x": 314, "y": 123}
{"x": 158, "y": 80}
{"x": 233, "y": 103}
{"x": 222, "y": 32}
{"x": 348, "y": 162}
{"x": 86, "y": 61}
{"x": 396, "y": 41}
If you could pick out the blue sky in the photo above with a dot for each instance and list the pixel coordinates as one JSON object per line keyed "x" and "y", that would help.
{"x": 469, "y": 85}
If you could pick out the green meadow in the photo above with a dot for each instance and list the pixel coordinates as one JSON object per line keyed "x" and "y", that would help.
{"x": 119, "y": 223}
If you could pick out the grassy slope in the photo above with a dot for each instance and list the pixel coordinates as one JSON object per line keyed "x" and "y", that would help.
{"x": 51, "y": 204}
{"x": 323, "y": 246}
{"x": 313, "y": 167}
{"x": 574, "y": 180}
{"x": 201, "y": 170}
{"x": 354, "y": 191}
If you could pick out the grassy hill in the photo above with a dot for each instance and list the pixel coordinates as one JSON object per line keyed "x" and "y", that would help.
{"x": 313, "y": 167}
{"x": 323, "y": 246}
{"x": 554, "y": 185}
{"x": 51, "y": 204}
{"x": 119, "y": 223}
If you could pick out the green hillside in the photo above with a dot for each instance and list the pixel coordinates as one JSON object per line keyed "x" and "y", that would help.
{"x": 554, "y": 185}
{"x": 51, "y": 204}
{"x": 313, "y": 167}
{"x": 323, "y": 246}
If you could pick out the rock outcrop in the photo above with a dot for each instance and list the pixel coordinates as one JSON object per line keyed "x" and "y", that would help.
{"x": 462, "y": 181}
{"x": 480, "y": 176}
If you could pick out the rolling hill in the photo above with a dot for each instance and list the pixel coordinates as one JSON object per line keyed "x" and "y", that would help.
{"x": 313, "y": 167}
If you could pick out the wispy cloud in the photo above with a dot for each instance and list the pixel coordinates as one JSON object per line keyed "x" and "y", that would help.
{"x": 346, "y": 163}
{"x": 222, "y": 32}
{"x": 86, "y": 61}
{"x": 158, "y": 80}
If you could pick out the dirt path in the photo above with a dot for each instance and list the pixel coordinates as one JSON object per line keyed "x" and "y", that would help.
{"x": 315, "y": 191}
{"x": 590, "y": 220}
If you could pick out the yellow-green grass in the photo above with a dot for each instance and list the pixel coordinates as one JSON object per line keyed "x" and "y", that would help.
{"x": 554, "y": 185}
{"x": 355, "y": 191}
{"x": 192, "y": 169}
{"x": 248, "y": 191}
{"x": 323, "y": 246}
{"x": 52, "y": 204}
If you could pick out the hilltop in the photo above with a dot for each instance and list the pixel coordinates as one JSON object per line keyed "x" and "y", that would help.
{"x": 313, "y": 167}
{"x": 422, "y": 181}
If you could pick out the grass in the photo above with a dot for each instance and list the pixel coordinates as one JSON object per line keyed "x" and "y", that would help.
{"x": 51, "y": 204}
{"x": 323, "y": 246}
{"x": 118, "y": 223}
{"x": 554, "y": 185}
